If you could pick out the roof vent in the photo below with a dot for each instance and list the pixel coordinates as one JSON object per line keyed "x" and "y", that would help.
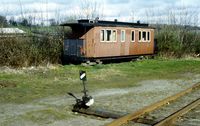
{"x": 96, "y": 19}
{"x": 91, "y": 21}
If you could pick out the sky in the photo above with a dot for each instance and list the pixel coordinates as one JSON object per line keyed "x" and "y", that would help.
{"x": 148, "y": 11}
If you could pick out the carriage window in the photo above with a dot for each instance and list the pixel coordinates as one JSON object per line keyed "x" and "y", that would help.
{"x": 123, "y": 35}
{"x": 148, "y": 36}
{"x": 102, "y": 35}
{"x": 132, "y": 36}
{"x": 144, "y": 36}
{"x": 139, "y": 35}
{"x": 114, "y": 35}
{"x": 108, "y": 35}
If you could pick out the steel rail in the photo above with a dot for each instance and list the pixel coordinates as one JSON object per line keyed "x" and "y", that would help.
{"x": 171, "y": 118}
{"x": 151, "y": 107}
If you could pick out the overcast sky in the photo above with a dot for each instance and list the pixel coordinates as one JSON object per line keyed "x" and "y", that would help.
{"x": 123, "y": 10}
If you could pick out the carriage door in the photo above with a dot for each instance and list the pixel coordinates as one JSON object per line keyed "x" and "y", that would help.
{"x": 122, "y": 42}
{"x": 124, "y": 46}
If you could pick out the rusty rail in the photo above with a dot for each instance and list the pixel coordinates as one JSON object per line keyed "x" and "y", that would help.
{"x": 170, "y": 119}
{"x": 152, "y": 107}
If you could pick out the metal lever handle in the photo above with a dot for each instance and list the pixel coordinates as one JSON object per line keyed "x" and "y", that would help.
{"x": 72, "y": 95}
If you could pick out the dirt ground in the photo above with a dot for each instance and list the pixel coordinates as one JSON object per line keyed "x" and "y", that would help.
{"x": 56, "y": 111}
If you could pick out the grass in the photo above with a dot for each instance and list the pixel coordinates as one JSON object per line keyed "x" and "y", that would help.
{"x": 45, "y": 82}
{"x": 45, "y": 116}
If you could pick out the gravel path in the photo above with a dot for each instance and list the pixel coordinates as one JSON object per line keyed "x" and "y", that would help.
{"x": 57, "y": 110}
{"x": 192, "y": 118}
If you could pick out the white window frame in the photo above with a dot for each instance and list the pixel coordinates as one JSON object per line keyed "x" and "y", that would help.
{"x": 140, "y": 35}
{"x": 105, "y": 35}
{"x": 102, "y": 36}
{"x": 132, "y": 40}
{"x": 115, "y": 36}
{"x": 124, "y": 35}
{"x": 143, "y": 40}
{"x": 149, "y": 40}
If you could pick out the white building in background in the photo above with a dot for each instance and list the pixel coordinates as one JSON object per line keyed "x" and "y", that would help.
{"x": 11, "y": 32}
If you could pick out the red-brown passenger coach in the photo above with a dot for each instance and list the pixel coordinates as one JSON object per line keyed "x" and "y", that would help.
{"x": 102, "y": 40}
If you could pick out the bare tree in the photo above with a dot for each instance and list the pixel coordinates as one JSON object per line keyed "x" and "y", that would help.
{"x": 52, "y": 22}
{"x": 3, "y": 21}
{"x": 172, "y": 17}
{"x": 132, "y": 15}
{"x": 12, "y": 21}
{"x": 90, "y": 9}
{"x": 21, "y": 8}
{"x": 58, "y": 15}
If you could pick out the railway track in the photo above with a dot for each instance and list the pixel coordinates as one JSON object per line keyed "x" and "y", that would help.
{"x": 164, "y": 112}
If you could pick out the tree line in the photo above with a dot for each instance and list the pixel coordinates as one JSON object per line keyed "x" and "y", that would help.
{"x": 23, "y": 22}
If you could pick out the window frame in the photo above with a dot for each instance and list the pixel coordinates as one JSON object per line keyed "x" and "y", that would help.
{"x": 140, "y": 36}
{"x": 124, "y": 35}
{"x": 132, "y": 40}
{"x": 105, "y": 35}
{"x": 144, "y": 39}
{"x": 149, "y": 40}
{"x": 102, "y": 36}
{"x": 115, "y": 36}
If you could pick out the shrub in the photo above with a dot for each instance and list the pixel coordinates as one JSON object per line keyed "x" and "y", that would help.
{"x": 177, "y": 41}
{"x": 27, "y": 51}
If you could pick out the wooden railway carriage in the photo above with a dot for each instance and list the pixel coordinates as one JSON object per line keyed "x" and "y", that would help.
{"x": 101, "y": 40}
